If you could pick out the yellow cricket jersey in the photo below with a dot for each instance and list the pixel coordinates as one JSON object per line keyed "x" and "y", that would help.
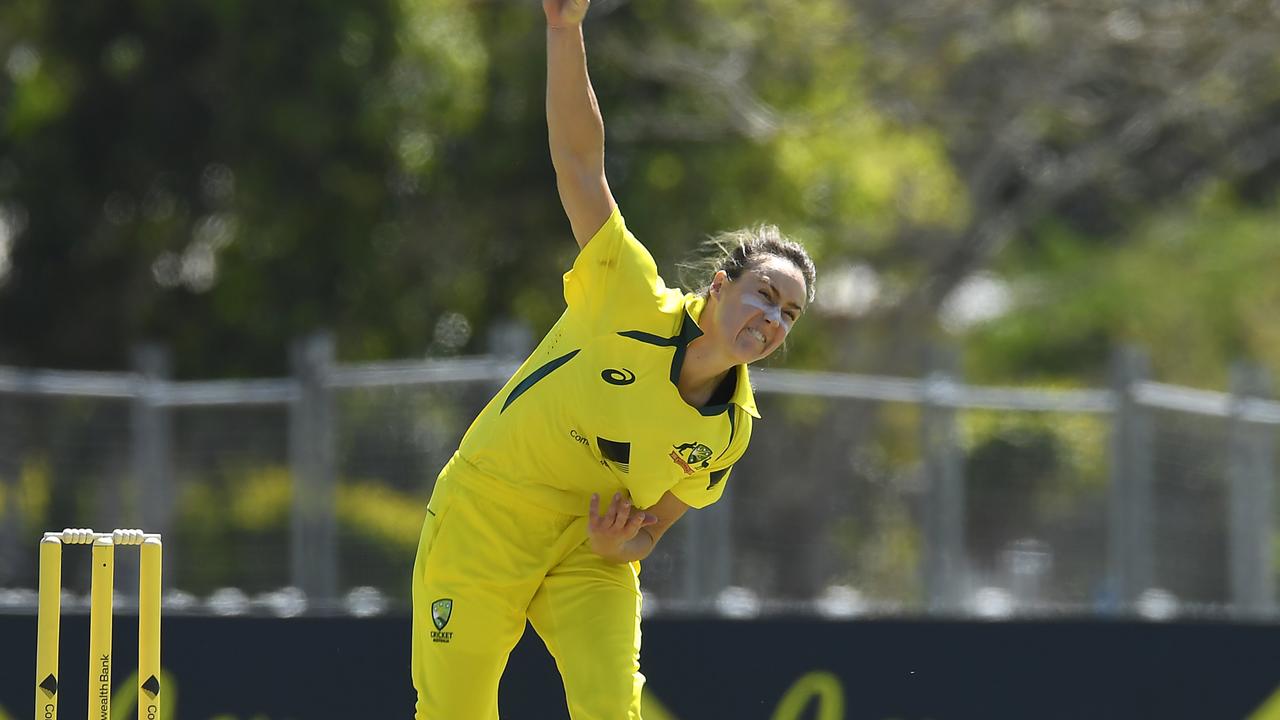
{"x": 595, "y": 408}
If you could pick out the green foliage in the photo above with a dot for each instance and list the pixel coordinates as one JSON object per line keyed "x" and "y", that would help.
{"x": 225, "y": 176}
{"x": 764, "y": 116}
{"x": 382, "y": 516}
{"x": 1080, "y": 442}
{"x": 1039, "y": 481}
{"x": 256, "y": 505}
{"x": 30, "y": 497}
{"x": 39, "y": 96}
{"x": 883, "y": 558}
{"x": 1194, "y": 285}
{"x": 231, "y": 175}
{"x": 260, "y": 499}
{"x": 209, "y": 174}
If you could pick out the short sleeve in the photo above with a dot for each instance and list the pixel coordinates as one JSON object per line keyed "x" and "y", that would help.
{"x": 701, "y": 489}
{"x": 614, "y": 273}
{"x": 707, "y": 485}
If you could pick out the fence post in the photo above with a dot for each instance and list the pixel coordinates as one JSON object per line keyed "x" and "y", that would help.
{"x": 1129, "y": 536}
{"x": 1251, "y": 463}
{"x": 313, "y": 551}
{"x": 694, "y": 591}
{"x": 12, "y": 544}
{"x": 151, "y": 453}
{"x": 719, "y": 522}
{"x": 707, "y": 548}
{"x": 946, "y": 558}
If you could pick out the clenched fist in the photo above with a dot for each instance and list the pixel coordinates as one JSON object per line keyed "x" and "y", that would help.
{"x": 565, "y": 13}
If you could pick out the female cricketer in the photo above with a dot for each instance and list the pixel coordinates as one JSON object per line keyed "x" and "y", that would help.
{"x": 630, "y": 411}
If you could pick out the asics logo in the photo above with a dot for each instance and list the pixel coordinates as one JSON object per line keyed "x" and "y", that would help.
{"x": 618, "y": 377}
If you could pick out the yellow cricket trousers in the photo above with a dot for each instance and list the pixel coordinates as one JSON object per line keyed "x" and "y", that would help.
{"x": 485, "y": 564}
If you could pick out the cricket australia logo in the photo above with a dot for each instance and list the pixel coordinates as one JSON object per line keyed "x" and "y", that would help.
{"x": 441, "y": 611}
{"x": 691, "y": 456}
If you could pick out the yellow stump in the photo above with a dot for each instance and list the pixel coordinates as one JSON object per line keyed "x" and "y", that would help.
{"x": 48, "y": 622}
{"x": 101, "y": 590}
{"x": 101, "y": 614}
{"x": 149, "y": 628}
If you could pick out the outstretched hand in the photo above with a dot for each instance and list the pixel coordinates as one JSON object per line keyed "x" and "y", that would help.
{"x": 565, "y": 13}
{"x": 618, "y": 525}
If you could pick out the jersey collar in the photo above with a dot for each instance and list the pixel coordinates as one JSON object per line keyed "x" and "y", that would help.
{"x": 743, "y": 396}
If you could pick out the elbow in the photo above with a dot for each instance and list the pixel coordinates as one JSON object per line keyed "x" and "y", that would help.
{"x": 576, "y": 174}
{"x": 575, "y": 164}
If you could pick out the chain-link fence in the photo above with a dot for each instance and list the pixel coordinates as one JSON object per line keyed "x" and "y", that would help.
{"x": 860, "y": 495}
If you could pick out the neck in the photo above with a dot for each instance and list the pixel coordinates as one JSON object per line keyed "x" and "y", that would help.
{"x": 702, "y": 372}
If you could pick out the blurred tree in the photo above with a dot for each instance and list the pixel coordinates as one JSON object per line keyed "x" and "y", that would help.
{"x": 221, "y": 176}
{"x": 1195, "y": 285}
{"x": 208, "y": 177}
{"x": 225, "y": 176}
{"x": 1086, "y": 116}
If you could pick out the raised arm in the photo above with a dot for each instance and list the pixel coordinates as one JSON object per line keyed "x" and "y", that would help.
{"x": 574, "y": 126}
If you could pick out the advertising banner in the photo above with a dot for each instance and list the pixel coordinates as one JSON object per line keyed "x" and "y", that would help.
{"x": 317, "y": 668}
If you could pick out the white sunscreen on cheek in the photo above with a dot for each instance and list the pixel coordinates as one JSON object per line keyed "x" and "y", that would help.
{"x": 771, "y": 311}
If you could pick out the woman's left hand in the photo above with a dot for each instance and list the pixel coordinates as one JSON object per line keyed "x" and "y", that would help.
{"x": 619, "y": 524}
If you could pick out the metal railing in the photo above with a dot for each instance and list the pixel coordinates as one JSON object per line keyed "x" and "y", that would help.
{"x": 700, "y": 570}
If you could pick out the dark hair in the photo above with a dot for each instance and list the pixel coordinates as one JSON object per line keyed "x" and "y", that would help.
{"x": 740, "y": 250}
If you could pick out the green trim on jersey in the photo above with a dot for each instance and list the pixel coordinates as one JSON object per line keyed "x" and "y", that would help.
{"x": 537, "y": 375}
{"x": 689, "y": 332}
{"x": 599, "y": 409}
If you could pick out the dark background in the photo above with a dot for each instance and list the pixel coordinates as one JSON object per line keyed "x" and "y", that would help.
{"x": 319, "y": 668}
